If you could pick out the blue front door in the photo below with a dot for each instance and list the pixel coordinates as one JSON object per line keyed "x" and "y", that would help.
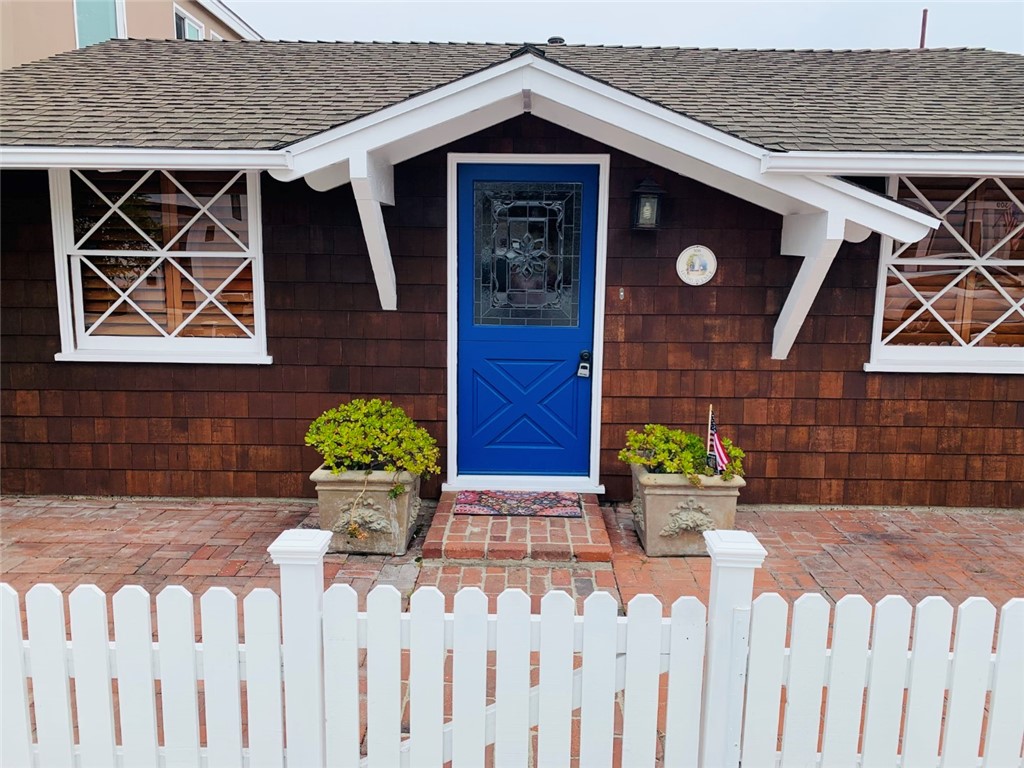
{"x": 526, "y": 263}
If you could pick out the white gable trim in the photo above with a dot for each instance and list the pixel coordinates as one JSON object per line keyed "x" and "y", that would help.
{"x": 529, "y": 83}
{"x": 589, "y": 107}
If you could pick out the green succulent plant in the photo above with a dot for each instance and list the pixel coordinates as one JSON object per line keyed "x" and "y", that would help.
{"x": 662, "y": 450}
{"x": 373, "y": 435}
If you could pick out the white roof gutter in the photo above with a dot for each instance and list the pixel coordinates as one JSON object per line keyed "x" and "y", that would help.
{"x": 121, "y": 158}
{"x": 894, "y": 163}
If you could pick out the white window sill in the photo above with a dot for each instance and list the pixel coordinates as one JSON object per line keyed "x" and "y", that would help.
{"x": 946, "y": 367}
{"x": 99, "y": 356}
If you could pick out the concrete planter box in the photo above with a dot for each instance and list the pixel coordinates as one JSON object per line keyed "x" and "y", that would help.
{"x": 355, "y": 507}
{"x": 666, "y": 506}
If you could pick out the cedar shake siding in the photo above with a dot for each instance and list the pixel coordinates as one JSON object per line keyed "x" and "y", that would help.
{"x": 816, "y": 427}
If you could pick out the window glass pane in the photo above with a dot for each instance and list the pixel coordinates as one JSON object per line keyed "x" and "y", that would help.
{"x": 161, "y": 210}
{"x": 161, "y": 291}
{"x": 234, "y": 294}
{"x": 978, "y": 293}
{"x": 126, "y": 274}
{"x": 990, "y": 305}
{"x": 527, "y": 253}
{"x": 115, "y": 233}
{"x": 95, "y": 20}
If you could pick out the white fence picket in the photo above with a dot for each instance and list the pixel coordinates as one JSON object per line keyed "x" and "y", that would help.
{"x": 1006, "y": 712}
{"x": 557, "y": 621}
{"x": 764, "y": 680}
{"x": 222, "y": 684}
{"x": 643, "y": 669}
{"x": 90, "y": 644}
{"x": 926, "y": 694}
{"x": 51, "y": 692}
{"x": 972, "y": 656}
{"x": 341, "y": 670}
{"x": 883, "y": 712}
{"x": 512, "y": 680}
{"x": 15, "y": 726}
{"x": 597, "y": 714}
{"x": 847, "y": 678}
{"x": 806, "y": 678}
{"x": 262, "y": 617}
{"x": 426, "y": 678}
{"x": 133, "y": 641}
{"x": 175, "y": 623}
{"x": 469, "y": 678}
{"x": 685, "y": 677}
{"x": 617, "y": 654}
{"x": 383, "y": 676}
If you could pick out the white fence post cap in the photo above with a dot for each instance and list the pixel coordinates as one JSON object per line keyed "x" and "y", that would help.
{"x": 299, "y": 546}
{"x": 736, "y": 549}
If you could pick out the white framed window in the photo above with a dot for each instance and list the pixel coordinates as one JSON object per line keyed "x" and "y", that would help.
{"x": 159, "y": 266}
{"x": 186, "y": 26}
{"x": 954, "y": 302}
{"x": 215, "y": 36}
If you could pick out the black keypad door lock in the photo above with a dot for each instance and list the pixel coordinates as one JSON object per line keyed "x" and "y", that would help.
{"x": 583, "y": 370}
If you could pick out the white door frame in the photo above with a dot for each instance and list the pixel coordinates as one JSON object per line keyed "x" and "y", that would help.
{"x": 580, "y": 484}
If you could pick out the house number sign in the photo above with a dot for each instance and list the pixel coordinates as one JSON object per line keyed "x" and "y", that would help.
{"x": 696, "y": 265}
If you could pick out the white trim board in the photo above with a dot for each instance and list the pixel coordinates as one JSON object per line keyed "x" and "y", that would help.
{"x": 581, "y": 484}
{"x": 121, "y": 159}
{"x": 902, "y": 163}
{"x": 225, "y": 15}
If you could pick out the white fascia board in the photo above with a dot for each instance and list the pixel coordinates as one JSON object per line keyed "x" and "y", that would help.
{"x": 626, "y": 122}
{"x": 119, "y": 158}
{"x": 230, "y": 18}
{"x": 894, "y": 163}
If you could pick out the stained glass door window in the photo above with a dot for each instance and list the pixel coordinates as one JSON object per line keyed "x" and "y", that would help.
{"x": 527, "y": 245}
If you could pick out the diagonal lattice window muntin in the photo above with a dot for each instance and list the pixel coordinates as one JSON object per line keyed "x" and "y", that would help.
{"x": 162, "y": 254}
{"x": 963, "y": 285}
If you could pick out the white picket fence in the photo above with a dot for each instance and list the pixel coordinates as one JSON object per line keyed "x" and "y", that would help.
{"x": 510, "y": 689}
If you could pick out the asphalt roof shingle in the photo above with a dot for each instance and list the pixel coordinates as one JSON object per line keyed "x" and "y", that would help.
{"x": 263, "y": 94}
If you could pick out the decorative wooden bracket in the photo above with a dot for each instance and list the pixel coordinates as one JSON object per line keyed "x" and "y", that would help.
{"x": 816, "y": 237}
{"x": 373, "y": 184}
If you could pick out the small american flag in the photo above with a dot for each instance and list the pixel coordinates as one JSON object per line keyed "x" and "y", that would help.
{"x": 721, "y": 457}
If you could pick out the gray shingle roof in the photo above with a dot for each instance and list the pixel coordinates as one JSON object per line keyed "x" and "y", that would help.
{"x": 261, "y": 94}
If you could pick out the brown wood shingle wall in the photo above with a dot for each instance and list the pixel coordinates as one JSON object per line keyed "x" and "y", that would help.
{"x": 816, "y": 427}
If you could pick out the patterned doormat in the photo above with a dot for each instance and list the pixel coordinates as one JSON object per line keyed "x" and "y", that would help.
{"x": 519, "y": 503}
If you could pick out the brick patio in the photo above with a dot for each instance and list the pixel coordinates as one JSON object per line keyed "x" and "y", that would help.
{"x": 202, "y": 543}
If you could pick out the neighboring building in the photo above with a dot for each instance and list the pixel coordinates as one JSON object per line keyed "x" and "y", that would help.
{"x": 205, "y": 245}
{"x": 35, "y": 29}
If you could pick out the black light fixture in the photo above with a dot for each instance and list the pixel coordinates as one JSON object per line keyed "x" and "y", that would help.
{"x": 647, "y": 205}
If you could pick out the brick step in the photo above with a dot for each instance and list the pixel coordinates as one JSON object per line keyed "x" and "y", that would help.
{"x": 550, "y": 539}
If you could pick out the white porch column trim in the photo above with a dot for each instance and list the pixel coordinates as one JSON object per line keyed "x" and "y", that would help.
{"x": 816, "y": 237}
{"x": 373, "y": 184}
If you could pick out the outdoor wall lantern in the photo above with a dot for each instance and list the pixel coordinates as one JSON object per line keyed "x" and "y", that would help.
{"x": 647, "y": 205}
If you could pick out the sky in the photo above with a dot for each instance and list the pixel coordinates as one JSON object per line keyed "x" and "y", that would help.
{"x": 995, "y": 24}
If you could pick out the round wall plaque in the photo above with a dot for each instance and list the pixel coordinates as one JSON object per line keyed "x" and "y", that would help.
{"x": 696, "y": 265}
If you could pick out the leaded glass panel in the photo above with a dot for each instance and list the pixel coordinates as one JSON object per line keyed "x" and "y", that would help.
{"x": 527, "y": 253}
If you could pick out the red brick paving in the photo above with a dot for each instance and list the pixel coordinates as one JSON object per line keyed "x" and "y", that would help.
{"x": 111, "y": 542}
{"x": 952, "y": 553}
{"x": 552, "y": 539}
